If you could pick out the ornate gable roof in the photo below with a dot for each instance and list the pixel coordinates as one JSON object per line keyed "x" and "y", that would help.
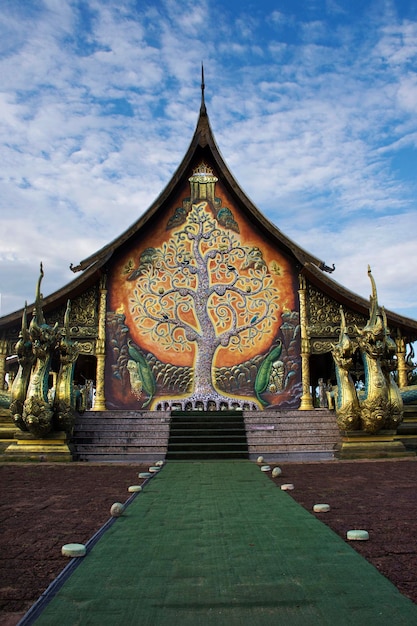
{"x": 203, "y": 148}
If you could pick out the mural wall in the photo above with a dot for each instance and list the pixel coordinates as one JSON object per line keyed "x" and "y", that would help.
{"x": 202, "y": 312}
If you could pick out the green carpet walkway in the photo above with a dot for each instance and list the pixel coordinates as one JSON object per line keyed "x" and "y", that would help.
{"x": 216, "y": 543}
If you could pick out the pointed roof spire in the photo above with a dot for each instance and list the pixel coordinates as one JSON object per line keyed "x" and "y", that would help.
{"x": 203, "y": 109}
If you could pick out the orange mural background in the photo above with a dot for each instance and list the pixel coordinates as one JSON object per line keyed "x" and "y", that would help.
{"x": 120, "y": 289}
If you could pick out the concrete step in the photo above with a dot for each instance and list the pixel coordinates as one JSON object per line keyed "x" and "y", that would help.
{"x": 207, "y": 455}
{"x": 292, "y": 435}
{"x": 199, "y": 438}
{"x": 121, "y": 436}
{"x": 207, "y": 435}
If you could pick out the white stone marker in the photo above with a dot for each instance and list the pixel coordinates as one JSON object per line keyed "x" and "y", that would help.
{"x": 321, "y": 508}
{"x": 117, "y": 509}
{"x": 74, "y": 549}
{"x": 357, "y": 535}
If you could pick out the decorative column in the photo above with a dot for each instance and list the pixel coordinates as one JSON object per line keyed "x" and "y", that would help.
{"x": 401, "y": 363}
{"x": 100, "y": 401}
{"x": 306, "y": 399}
{"x": 3, "y": 355}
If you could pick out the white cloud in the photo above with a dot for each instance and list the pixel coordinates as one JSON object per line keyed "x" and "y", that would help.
{"x": 98, "y": 110}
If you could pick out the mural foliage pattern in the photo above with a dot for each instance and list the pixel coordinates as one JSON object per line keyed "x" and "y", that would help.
{"x": 205, "y": 317}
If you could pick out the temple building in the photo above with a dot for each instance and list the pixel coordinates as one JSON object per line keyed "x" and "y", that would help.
{"x": 204, "y": 305}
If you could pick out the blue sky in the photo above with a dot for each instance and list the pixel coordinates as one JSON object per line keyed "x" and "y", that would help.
{"x": 312, "y": 102}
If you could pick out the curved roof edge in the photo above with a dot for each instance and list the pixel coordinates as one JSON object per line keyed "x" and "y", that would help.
{"x": 355, "y": 301}
{"x": 60, "y": 297}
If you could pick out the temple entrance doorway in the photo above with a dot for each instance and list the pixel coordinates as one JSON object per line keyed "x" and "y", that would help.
{"x": 85, "y": 378}
{"x": 322, "y": 374}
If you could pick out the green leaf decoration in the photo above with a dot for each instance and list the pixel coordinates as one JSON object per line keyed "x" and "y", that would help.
{"x": 264, "y": 372}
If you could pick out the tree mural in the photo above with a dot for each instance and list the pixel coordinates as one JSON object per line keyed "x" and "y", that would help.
{"x": 201, "y": 291}
{"x": 202, "y": 310}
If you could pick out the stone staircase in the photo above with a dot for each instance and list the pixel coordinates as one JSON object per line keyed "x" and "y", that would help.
{"x": 7, "y": 430}
{"x": 142, "y": 436}
{"x": 407, "y": 430}
{"x": 207, "y": 435}
{"x": 124, "y": 436}
{"x": 292, "y": 435}
{"x": 148, "y": 436}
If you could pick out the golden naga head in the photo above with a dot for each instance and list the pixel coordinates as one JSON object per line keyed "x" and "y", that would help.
{"x": 344, "y": 350}
{"x": 375, "y": 337}
{"x": 38, "y": 312}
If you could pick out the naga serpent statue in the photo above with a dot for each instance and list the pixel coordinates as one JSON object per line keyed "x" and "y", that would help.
{"x": 20, "y": 385}
{"x": 65, "y": 397}
{"x": 37, "y": 412}
{"x": 388, "y": 365}
{"x": 381, "y": 404}
{"x": 346, "y": 401}
{"x": 33, "y": 411}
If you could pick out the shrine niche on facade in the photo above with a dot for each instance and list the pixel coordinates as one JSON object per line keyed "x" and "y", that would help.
{"x": 204, "y": 304}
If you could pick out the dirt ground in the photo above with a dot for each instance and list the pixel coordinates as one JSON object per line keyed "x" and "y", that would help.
{"x": 44, "y": 506}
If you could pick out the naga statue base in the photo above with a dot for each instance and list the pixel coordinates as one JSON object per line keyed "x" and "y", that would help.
{"x": 26, "y": 447}
{"x": 383, "y": 445}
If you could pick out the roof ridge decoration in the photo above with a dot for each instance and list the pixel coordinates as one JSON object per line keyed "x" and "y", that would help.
{"x": 203, "y": 109}
{"x": 203, "y": 188}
